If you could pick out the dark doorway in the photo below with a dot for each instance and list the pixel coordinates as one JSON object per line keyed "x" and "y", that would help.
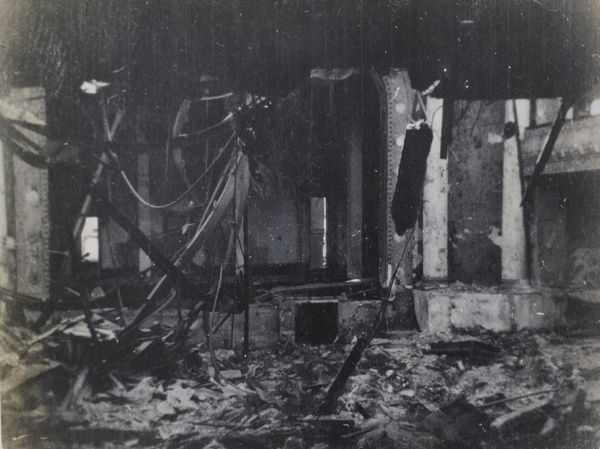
{"x": 316, "y": 322}
{"x": 347, "y": 124}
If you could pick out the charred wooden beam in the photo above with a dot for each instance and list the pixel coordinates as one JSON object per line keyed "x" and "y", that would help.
{"x": 87, "y": 311}
{"x": 157, "y": 257}
{"x": 247, "y": 286}
{"x": 547, "y": 150}
{"x": 576, "y": 149}
{"x": 337, "y": 387}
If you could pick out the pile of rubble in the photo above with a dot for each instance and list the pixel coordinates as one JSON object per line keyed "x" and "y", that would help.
{"x": 413, "y": 390}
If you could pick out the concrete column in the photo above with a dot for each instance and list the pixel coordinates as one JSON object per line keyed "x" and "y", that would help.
{"x": 512, "y": 242}
{"x": 354, "y": 207}
{"x": 435, "y": 201}
{"x": 144, "y": 217}
{"x": 318, "y": 253}
{"x": 4, "y": 272}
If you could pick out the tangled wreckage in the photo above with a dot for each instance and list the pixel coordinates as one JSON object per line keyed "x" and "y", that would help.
{"x": 300, "y": 224}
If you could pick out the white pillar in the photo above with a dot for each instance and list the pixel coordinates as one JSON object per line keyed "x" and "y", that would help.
{"x": 512, "y": 243}
{"x": 435, "y": 201}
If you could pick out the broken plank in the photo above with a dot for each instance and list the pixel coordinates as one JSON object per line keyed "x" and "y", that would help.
{"x": 230, "y": 374}
{"x": 41, "y": 337}
{"x": 78, "y": 390}
{"x": 522, "y": 417}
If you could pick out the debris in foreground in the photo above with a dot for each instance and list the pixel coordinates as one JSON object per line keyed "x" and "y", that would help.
{"x": 400, "y": 395}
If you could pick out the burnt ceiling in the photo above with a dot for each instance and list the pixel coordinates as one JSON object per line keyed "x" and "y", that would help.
{"x": 486, "y": 49}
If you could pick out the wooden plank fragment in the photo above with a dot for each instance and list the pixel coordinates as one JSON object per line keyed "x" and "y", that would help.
{"x": 523, "y": 416}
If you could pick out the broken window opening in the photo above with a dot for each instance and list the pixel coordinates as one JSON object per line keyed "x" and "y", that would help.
{"x": 318, "y": 232}
{"x": 90, "y": 243}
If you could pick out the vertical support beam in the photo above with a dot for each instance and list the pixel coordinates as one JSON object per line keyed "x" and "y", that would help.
{"x": 88, "y": 198}
{"x": 4, "y": 269}
{"x": 354, "y": 206}
{"x": 397, "y": 95}
{"x": 144, "y": 216}
{"x": 30, "y": 189}
{"x": 303, "y": 213}
{"x": 435, "y": 201}
{"x": 317, "y": 233}
{"x": 513, "y": 242}
{"x": 247, "y": 286}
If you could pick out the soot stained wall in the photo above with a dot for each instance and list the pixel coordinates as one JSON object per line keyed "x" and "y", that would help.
{"x": 273, "y": 228}
{"x": 475, "y": 192}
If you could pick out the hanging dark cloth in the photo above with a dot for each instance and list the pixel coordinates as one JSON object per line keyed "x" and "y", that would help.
{"x": 411, "y": 175}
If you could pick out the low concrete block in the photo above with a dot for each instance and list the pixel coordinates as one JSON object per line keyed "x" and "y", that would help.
{"x": 287, "y": 319}
{"x": 356, "y": 317}
{"x": 264, "y": 328}
{"x": 432, "y": 310}
{"x": 492, "y": 311}
{"x": 400, "y": 313}
{"x": 498, "y": 310}
{"x": 288, "y": 310}
{"x": 542, "y": 310}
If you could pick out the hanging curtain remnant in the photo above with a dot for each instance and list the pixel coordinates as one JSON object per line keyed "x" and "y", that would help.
{"x": 411, "y": 175}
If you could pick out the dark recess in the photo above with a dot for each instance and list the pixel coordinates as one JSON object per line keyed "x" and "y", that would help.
{"x": 316, "y": 322}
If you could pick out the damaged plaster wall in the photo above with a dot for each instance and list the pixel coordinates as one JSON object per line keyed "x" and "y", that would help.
{"x": 475, "y": 192}
{"x": 550, "y": 238}
{"x": 273, "y": 228}
{"x": 568, "y": 231}
{"x": 565, "y": 232}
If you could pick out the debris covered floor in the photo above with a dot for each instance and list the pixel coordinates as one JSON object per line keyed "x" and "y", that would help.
{"x": 411, "y": 390}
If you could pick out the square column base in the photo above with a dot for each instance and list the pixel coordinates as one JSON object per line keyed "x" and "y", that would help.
{"x": 499, "y": 309}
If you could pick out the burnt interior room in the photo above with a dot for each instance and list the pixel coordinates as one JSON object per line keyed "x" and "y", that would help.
{"x": 345, "y": 125}
{"x": 307, "y": 224}
{"x": 578, "y": 239}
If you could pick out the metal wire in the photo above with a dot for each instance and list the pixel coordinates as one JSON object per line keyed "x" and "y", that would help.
{"x": 184, "y": 194}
